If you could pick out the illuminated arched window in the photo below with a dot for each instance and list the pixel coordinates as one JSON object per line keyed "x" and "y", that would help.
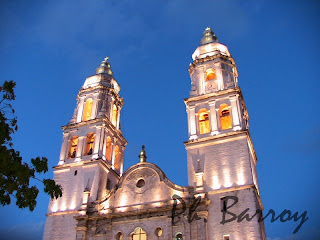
{"x": 87, "y": 108}
{"x": 225, "y": 116}
{"x": 114, "y": 115}
{"x": 210, "y": 74}
{"x": 73, "y": 147}
{"x": 117, "y": 158}
{"x": 108, "y": 149}
{"x": 139, "y": 234}
{"x": 90, "y": 141}
{"x": 204, "y": 124}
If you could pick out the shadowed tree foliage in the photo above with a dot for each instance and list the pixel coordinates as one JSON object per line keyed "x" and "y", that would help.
{"x": 15, "y": 174}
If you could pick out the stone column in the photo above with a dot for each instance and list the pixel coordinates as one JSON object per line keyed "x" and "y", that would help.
{"x": 101, "y": 143}
{"x": 192, "y": 122}
{"x": 96, "y": 145}
{"x": 122, "y": 158}
{"x": 80, "y": 147}
{"x": 80, "y": 110}
{"x": 213, "y": 118}
{"x": 118, "y": 117}
{"x": 113, "y": 144}
{"x": 235, "y": 114}
{"x": 218, "y": 118}
{"x": 64, "y": 149}
{"x": 111, "y": 109}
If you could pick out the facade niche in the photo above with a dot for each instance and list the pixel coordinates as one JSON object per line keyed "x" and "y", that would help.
{"x": 87, "y": 109}
{"x": 204, "y": 124}
{"x": 73, "y": 147}
{"x": 225, "y": 116}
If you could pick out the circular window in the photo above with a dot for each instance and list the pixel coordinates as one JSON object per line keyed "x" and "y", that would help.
{"x": 140, "y": 183}
{"x": 158, "y": 231}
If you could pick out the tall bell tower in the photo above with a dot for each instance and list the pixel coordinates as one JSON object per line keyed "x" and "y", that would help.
{"x": 221, "y": 156}
{"x": 91, "y": 158}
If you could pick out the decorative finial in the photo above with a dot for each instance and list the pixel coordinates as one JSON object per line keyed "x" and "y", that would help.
{"x": 208, "y": 36}
{"x": 104, "y": 67}
{"x": 143, "y": 155}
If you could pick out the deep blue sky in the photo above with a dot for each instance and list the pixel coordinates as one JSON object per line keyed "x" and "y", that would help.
{"x": 49, "y": 48}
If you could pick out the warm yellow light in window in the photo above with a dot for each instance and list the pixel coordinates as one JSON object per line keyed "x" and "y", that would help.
{"x": 90, "y": 141}
{"x": 117, "y": 158}
{"x": 114, "y": 115}
{"x": 108, "y": 149}
{"x": 73, "y": 147}
{"x": 87, "y": 108}
{"x": 210, "y": 74}
{"x": 204, "y": 124}
{"x": 139, "y": 234}
{"x": 225, "y": 117}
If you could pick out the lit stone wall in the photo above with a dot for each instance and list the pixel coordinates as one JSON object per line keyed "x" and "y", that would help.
{"x": 224, "y": 161}
{"x": 60, "y": 227}
{"x": 148, "y": 206}
{"x": 238, "y": 231}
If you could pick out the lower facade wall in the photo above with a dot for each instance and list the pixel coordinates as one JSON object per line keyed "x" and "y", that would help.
{"x": 244, "y": 230}
{"x": 60, "y": 227}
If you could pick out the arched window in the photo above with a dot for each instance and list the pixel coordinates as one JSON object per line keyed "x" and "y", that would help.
{"x": 90, "y": 141}
{"x": 225, "y": 116}
{"x": 114, "y": 115}
{"x": 73, "y": 147}
{"x": 87, "y": 109}
{"x": 210, "y": 74}
{"x": 139, "y": 234}
{"x": 204, "y": 124}
{"x": 108, "y": 149}
{"x": 117, "y": 158}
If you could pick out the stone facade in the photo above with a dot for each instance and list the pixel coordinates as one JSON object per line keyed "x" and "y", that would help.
{"x": 101, "y": 202}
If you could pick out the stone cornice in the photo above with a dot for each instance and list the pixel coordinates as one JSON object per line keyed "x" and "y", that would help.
{"x": 209, "y": 58}
{"x": 216, "y": 139}
{"x": 111, "y": 90}
{"x": 103, "y": 121}
{"x": 226, "y": 92}
{"x": 103, "y": 163}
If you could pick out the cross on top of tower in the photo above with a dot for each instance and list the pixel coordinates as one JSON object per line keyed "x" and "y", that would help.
{"x": 208, "y": 36}
{"x": 104, "y": 67}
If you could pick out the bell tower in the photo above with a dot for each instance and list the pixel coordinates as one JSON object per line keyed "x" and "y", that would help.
{"x": 91, "y": 158}
{"x": 221, "y": 156}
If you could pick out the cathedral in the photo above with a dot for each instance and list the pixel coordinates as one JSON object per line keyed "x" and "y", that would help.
{"x": 101, "y": 201}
